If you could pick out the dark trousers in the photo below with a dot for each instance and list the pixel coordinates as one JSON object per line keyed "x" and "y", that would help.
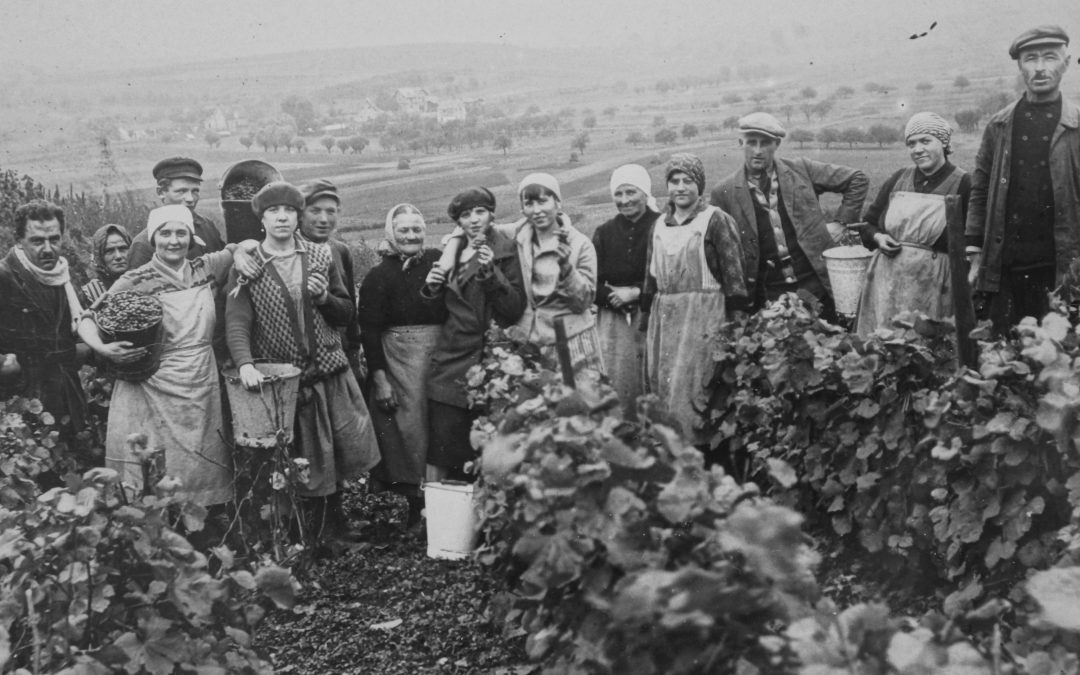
{"x": 1022, "y": 292}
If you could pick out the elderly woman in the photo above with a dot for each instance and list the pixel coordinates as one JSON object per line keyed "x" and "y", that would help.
{"x": 179, "y": 406}
{"x": 695, "y": 278}
{"x": 622, "y": 247}
{"x": 109, "y": 256}
{"x": 288, "y": 314}
{"x": 399, "y": 330}
{"x": 906, "y": 226}
{"x": 479, "y": 280}
{"x": 557, "y": 261}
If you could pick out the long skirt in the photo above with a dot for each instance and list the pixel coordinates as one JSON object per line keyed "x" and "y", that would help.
{"x": 623, "y": 346}
{"x": 334, "y": 433}
{"x": 403, "y": 432}
{"x": 450, "y": 446}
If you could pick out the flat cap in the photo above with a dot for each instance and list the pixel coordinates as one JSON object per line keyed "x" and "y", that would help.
{"x": 1039, "y": 35}
{"x": 762, "y": 123}
{"x": 178, "y": 167}
{"x": 319, "y": 188}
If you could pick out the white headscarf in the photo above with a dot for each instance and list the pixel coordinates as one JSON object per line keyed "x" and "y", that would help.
{"x": 389, "y": 245}
{"x": 637, "y": 176}
{"x": 172, "y": 213}
{"x": 543, "y": 180}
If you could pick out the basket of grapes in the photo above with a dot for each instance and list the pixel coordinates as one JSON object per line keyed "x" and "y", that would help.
{"x": 238, "y": 185}
{"x": 128, "y": 316}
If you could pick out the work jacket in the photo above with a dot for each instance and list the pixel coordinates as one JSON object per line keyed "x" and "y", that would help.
{"x": 801, "y": 182}
{"x": 990, "y": 188}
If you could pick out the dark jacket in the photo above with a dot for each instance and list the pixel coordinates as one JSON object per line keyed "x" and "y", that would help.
{"x": 472, "y": 302}
{"x": 801, "y": 182}
{"x": 35, "y": 325}
{"x": 990, "y": 188}
{"x": 350, "y": 334}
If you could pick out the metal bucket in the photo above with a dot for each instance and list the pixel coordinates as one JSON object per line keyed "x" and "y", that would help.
{"x": 240, "y": 222}
{"x": 847, "y": 274}
{"x": 451, "y": 520}
{"x": 263, "y": 418}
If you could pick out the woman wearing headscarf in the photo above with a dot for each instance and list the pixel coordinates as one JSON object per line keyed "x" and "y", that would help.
{"x": 695, "y": 278}
{"x": 289, "y": 313}
{"x": 557, "y": 261}
{"x": 622, "y": 247}
{"x": 399, "y": 329}
{"x": 109, "y": 256}
{"x": 179, "y": 406}
{"x": 478, "y": 278}
{"x": 906, "y": 225}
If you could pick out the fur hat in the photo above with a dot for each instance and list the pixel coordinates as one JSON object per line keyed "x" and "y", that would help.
{"x": 278, "y": 193}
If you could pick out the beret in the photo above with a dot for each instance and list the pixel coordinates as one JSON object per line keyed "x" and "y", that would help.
{"x": 178, "y": 167}
{"x": 466, "y": 201}
{"x": 319, "y": 188}
{"x": 1039, "y": 35}
{"x": 278, "y": 193}
{"x": 762, "y": 123}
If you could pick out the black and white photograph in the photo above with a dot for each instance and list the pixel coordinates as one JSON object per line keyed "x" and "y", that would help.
{"x": 579, "y": 337}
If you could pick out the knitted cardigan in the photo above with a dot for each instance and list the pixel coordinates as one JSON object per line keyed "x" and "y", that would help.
{"x": 276, "y": 332}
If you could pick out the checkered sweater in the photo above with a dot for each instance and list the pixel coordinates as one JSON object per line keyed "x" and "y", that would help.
{"x": 264, "y": 320}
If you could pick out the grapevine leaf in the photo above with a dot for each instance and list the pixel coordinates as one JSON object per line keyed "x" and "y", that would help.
{"x": 1057, "y": 591}
{"x": 782, "y": 472}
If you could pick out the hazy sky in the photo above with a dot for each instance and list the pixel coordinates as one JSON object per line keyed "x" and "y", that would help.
{"x": 66, "y": 34}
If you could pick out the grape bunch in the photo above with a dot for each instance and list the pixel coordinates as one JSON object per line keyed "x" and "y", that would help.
{"x": 128, "y": 311}
{"x": 243, "y": 189}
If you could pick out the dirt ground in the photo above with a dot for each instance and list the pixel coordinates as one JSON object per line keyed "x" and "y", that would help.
{"x": 385, "y": 608}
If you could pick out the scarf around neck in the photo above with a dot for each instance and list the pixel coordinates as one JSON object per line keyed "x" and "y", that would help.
{"x": 57, "y": 276}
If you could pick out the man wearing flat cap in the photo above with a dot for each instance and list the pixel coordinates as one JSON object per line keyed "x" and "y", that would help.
{"x": 178, "y": 182}
{"x": 782, "y": 228}
{"x": 322, "y": 205}
{"x": 1023, "y": 221}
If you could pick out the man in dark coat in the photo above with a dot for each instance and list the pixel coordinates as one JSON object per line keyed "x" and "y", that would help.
{"x": 37, "y": 340}
{"x": 322, "y": 205}
{"x": 1023, "y": 219}
{"x": 782, "y": 229}
{"x": 179, "y": 180}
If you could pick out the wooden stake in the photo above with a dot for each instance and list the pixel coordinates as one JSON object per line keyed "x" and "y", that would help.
{"x": 963, "y": 310}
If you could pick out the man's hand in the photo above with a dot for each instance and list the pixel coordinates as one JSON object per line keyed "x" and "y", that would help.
{"x": 317, "y": 285}
{"x": 887, "y": 244}
{"x": 974, "y": 260}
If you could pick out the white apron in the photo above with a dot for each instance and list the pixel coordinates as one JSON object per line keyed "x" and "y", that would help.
{"x": 917, "y": 278}
{"x": 179, "y": 406}
{"x": 687, "y": 313}
{"x": 403, "y": 434}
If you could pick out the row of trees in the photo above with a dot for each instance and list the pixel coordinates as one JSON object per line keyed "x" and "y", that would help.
{"x": 882, "y": 134}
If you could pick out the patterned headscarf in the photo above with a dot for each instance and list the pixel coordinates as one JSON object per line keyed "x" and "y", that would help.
{"x": 689, "y": 164}
{"x": 929, "y": 123}
{"x": 389, "y": 246}
{"x": 637, "y": 176}
{"x": 97, "y": 249}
